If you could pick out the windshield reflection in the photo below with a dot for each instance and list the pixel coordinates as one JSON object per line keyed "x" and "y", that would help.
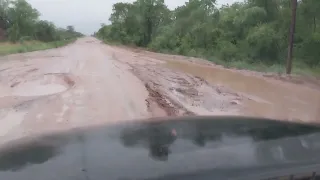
{"x": 272, "y": 141}
{"x": 156, "y": 138}
{"x": 37, "y": 152}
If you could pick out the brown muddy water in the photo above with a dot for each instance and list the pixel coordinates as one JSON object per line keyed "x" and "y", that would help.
{"x": 264, "y": 98}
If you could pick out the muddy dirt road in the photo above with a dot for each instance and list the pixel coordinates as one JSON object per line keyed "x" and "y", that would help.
{"x": 88, "y": 83}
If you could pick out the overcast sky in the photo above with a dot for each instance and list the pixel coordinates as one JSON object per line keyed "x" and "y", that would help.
{"x": 86, "y": 15}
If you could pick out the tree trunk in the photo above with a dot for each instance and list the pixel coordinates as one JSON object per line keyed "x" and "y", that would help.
{"x": 314, "y": 24}
{"x": 291, "y": 36}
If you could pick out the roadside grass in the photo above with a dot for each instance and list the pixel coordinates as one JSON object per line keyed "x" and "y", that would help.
{"x": 297, "y": 67}
{"x": 113, "y": 43}
{"x": 28, "y": 46}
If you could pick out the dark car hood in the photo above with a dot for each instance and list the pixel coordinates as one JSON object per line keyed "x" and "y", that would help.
{"x": 184, "y": 148}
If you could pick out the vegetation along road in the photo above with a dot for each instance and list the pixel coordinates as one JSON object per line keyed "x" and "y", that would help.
{"x": 91, "y": 80}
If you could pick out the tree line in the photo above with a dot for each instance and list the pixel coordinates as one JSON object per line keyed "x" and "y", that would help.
{"x": 20, "y": 21}
{"x": 253, "y": 31}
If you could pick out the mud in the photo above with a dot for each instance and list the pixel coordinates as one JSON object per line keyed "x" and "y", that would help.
{"x": 89, "y": 83}
{"x": 178, "y": 93}
{"x": 158, "y": 101}
{"x": 292, "y": 98}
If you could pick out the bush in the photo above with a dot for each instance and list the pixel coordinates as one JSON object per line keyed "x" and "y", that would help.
{"x": 263, "y": 41}
{"x": 309, "y": 50}
{"x": 227, "y": 51}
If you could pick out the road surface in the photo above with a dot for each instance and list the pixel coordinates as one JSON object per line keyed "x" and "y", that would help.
{"x": 89, "y": 83}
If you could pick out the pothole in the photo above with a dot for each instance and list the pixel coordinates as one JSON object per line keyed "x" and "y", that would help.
{"x": 46, "y": 85}
{"x": 18, "y": 93}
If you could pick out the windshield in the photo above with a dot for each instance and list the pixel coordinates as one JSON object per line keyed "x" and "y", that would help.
{"x": 68, "y": 64}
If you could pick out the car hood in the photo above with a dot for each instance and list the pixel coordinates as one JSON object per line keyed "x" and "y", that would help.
{"x": 178, "y": 148}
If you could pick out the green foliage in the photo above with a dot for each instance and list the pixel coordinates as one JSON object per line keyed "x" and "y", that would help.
{"x": 251, "y": 32}
{"x": 22, "y": 19}
{"x": 227, "y": 50}
{"x": 263, "y": 42}
{"x": 45, "y": 31}
{"x": 19, "y": 20}
{"x": 309, "y": 49}
{"x": 137, "y": 23}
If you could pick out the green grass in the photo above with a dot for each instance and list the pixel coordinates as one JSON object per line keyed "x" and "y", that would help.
{"x": 28, "y": 46}
{"x": 297, "y": 68}
{"x": 115, "y": 43}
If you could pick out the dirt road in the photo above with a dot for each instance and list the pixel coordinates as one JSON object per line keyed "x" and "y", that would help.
{"x": 88, "y": 83}
{"x": 73, "y": 86}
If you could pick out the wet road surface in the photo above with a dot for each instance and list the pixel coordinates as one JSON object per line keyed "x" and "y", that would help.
{"x": 89, "y": 83}
{"x": 68, "y": 87}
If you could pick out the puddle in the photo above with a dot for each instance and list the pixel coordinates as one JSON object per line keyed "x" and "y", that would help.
{"x": 22, "y": 92}
{"x": 34, "y": 89}
{"x": 46, "y": 85}
{"x": 265, "y": 98}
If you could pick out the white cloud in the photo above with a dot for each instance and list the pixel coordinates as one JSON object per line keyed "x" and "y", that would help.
{"x": 86, "y": 16}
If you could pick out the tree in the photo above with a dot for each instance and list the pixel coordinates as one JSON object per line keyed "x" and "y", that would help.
{"x": 4, "y": 20}
{"x": 291, "y": 36}
{"x": 152, "y": 14}
{"x": 22, "y": 19}
{"x": 252, "y": 31}
{"x": 45, "y": 31}
{"x": 138, "y": 22}
{"x": 70, "y": 29}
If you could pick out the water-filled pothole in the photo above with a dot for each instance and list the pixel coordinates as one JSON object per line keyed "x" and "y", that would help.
{"x": 46, "y": 85}
{"x": 21, "y": 92}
